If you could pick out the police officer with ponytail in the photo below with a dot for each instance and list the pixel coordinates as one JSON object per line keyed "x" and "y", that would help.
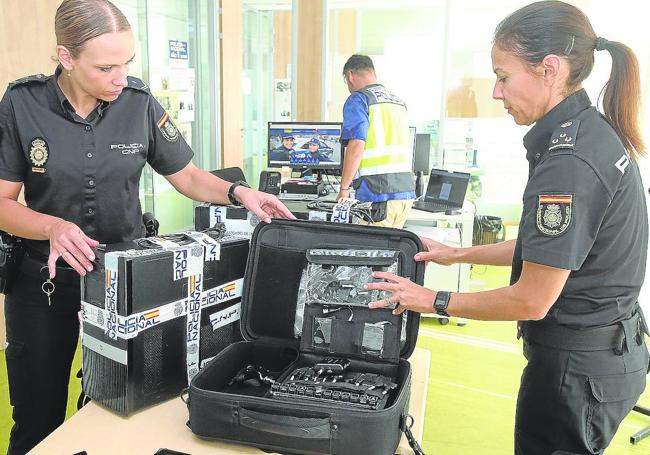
{"x": 579, "y": 260}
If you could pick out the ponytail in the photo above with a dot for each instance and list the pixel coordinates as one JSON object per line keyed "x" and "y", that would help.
{"x": 621, "y": 96}
{"x": 555, "y": 27}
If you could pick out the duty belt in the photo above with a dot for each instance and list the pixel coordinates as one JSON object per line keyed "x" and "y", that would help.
{"x": 38, "y": 268}
{"x": 586, "y": 339}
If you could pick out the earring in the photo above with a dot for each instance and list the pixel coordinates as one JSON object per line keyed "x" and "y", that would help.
{"x": 68, "y": 73}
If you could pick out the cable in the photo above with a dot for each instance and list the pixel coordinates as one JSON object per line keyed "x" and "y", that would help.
{"x": 217, "y": 232}
{"x": 146, "y": 243}
{"x": 361, "y": 210}
{"x": 328, "y": 180}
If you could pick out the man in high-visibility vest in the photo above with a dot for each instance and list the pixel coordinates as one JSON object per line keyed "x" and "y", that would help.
{"x": 378, "y": 155}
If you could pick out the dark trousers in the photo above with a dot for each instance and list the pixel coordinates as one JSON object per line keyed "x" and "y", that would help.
{"x": 572, "y": 402}
{"x": 42, "y": 341}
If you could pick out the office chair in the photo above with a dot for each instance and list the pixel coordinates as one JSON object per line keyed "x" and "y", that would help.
{"x": 643, "y": 433}
{"x": 229, "y": 174}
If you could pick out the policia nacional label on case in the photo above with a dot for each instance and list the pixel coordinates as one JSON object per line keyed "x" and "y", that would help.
{"x": 554, "y": 212}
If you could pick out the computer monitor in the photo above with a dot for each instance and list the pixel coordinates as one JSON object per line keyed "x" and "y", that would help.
{"x": 422, "y": 152}
{"x": 305, "y": 145}
{"x": 412, "y": 131}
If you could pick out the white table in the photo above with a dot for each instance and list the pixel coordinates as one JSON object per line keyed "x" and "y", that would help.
{"x": 99, "y": 431}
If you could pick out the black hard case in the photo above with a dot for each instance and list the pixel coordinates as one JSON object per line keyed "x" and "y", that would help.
{"x": 155, "y": 368}
{"x": 275, "y": 264}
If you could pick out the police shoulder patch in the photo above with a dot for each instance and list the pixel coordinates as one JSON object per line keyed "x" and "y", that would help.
{"x": 167, "y": 128}
{"x": 564, "y": 136}
{"x": 554, "y": 213}
{"x": 138, "y": 84}
{"x": 25, "y": 80}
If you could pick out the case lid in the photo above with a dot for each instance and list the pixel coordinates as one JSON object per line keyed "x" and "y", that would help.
{"x": 280, "y": 253}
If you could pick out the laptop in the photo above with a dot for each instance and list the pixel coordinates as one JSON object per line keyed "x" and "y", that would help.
{"x": 445, "y": 191}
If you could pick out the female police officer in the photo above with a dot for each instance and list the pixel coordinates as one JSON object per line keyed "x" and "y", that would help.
{"x": 78, "y": 141}
{"x": 579, "y": 260}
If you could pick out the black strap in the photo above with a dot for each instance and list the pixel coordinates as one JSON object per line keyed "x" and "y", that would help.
{"x": 412, "y": 442}
{"x": 417, "y": 450}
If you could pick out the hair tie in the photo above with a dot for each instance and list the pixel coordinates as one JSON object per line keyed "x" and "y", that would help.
{"x": 601, "y": 44}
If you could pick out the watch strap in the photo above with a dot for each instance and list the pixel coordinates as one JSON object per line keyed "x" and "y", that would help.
{"x": 441, "y": 302}
{"x": 231, "y": 192}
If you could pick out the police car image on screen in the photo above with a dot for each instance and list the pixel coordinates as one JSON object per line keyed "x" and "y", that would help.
{"x": 304, "y": 145}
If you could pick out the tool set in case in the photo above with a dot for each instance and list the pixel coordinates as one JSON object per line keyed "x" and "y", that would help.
{"x": 319, "y": 372}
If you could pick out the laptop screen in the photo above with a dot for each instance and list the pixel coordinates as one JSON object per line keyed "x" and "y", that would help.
{"x": 447, "y": 187}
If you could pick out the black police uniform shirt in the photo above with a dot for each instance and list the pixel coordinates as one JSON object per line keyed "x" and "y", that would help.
{"x": 86, "y": 171}
{"x": 584, "y": 211}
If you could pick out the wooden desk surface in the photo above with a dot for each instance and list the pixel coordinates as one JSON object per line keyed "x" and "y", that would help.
{"x": 101, "y": 432}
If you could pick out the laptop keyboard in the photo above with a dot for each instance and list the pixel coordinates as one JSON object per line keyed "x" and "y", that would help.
{"x": 431, "y": 206}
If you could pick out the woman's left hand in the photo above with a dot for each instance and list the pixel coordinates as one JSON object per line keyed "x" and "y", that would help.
{"x": 407, "y": 294}
{"x": 264, "y": 205}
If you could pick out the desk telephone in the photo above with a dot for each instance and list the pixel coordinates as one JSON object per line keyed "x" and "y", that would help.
{"x": 270, "y": 182}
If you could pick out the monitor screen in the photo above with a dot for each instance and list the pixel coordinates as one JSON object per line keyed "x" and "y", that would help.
{"x": 412, "y": 132}
{"x": 305, "y": 145}
{"x": 445, "y": 186}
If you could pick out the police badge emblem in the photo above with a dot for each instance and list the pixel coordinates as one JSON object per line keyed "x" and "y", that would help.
{"x": 38, "y": 154}
{"x": 554, "y": 212}
{"x": 167, "y": 128}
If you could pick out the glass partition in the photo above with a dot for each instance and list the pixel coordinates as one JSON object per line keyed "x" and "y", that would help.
{"x": 407, "y": 45}
{"x": 177, "y": 59}
{"x": 266, "y": 82}
{"x": 436, "y": 56}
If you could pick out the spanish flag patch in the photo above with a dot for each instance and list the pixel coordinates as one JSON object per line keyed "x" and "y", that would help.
{"x": 554, "y": 213}
{"x": 167, "y": 128}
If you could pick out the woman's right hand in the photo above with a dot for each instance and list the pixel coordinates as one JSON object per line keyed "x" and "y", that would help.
{"x": 69, "y": 242}
{"x": 436, "y": 252}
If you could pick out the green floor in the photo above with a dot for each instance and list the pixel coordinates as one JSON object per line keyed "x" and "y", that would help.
{"x": 473, "y": 384}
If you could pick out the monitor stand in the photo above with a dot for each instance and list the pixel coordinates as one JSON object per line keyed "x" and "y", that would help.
{"x": 313, "y": 175}
{"x": 303, "y": 185}
{"x": 419, "y": 184}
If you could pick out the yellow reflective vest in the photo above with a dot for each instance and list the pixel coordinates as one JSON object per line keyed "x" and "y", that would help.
{"x": 386, "y": 166}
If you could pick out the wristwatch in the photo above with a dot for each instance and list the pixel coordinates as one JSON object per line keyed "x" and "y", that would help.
{"x": 441, "y": 302}
{"x": 231, "y": 192}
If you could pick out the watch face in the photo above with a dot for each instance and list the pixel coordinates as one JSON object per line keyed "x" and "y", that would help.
{"x": 441, "y": 302}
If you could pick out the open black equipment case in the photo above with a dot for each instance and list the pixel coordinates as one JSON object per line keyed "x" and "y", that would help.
{"x": 304, "y": 308}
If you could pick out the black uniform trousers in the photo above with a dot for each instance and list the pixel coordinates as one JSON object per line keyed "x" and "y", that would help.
{"x": 572, "y": 402}
{"x": 42, "y": 341}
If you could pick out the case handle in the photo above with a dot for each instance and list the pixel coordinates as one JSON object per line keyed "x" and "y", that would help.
{"x": 185, "y": 396}
{"x": 297, "y": 427}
